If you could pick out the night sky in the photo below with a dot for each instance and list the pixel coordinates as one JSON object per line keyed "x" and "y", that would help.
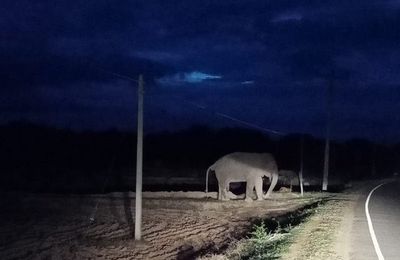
{"x": 268, "y": 63}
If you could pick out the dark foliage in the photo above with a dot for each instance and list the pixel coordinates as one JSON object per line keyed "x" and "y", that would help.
{"x": 39, "y": 158}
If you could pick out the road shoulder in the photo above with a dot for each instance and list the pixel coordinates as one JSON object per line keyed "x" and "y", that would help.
{"x": 326, "y": 235}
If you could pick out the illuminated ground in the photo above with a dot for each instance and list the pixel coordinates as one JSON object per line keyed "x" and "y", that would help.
{"x": 384, "y": 208}
{"x": 59, "y": 226}
{"x": 339, "y": 229}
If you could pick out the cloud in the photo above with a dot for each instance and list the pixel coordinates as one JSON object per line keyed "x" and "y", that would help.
{"x": 187, "y": 77}
{"x": 271, "y": 44}
{"x": 25, "y": 67}
{"x": 158, "y": 56}
{"x": 247, "y": 82}
{"x": 314, "y": 64}
{"x": 287, "y": 17}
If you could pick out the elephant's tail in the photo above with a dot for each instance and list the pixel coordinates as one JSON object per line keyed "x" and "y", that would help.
{"x": 211, "y": 168}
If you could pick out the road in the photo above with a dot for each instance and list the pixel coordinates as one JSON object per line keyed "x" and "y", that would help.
{"x": 384, "y": 211}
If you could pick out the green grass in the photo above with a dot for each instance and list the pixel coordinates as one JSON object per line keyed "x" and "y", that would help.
{"x": 264, "y": 244}
{"x": 269, "y": 238}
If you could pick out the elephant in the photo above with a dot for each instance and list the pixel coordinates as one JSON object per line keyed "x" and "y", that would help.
{"x": 244, "y": 167}
{"x": 290, "y": 178}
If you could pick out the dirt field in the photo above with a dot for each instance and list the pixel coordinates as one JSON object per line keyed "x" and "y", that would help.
{"x": 60, "y": 226}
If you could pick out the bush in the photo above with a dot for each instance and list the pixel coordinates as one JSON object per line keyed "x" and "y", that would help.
{"x": 264, "y": 244}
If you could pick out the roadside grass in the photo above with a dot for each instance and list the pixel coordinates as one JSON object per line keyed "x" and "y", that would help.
{"x": 269, "y": 238}
{"x": 317, "y": 238}
{"x": 263, "y": 244}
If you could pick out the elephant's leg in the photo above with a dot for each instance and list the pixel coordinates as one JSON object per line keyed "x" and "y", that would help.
{"x": 224, "y": 190}
{"x": 229, "y": 193}
{"x": 258, "y": 186}
{"x": 274, "y": 181}
{"x": 249, "y": 190}
{"x": 220, "y": 187}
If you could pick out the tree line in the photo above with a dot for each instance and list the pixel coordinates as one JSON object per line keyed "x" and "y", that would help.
{"x": 40, "y": 158}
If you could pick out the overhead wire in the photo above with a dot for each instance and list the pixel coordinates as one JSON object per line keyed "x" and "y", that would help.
{"x": 229, "y": 117}
{"x": 197, "y": 105}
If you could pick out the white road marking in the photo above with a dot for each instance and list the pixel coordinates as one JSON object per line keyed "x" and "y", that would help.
{"x": 371, "y": 228}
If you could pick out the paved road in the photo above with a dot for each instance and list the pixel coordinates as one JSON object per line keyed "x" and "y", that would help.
{"x": 384, "y": 210}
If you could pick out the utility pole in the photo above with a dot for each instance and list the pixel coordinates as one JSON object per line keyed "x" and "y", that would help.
{"x": 301, "y": 165}
{"x": 139, "y": 162}
{"x": 328, "y": 133}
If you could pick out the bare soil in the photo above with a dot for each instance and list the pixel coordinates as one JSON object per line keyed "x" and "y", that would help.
{"x": 52, "y": 226}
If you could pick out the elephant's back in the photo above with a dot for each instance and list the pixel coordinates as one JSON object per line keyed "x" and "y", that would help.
{"x": 242, "y": 161}
{"x": 257, "y": 160}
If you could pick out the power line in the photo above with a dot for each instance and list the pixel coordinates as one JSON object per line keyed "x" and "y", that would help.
{"x": 113, "y": 73}
{"x": 199, "y": 106}
{"x": 250, "y": 124}
{"x": 226, "y": 116}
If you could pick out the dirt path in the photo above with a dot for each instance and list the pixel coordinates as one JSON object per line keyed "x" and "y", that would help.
{"x": 326, "y": 234}
{"x": 58, "y": 227}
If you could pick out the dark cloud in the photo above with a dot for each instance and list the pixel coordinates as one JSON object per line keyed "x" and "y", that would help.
{"x": 29, "y": 68}
{"x": 317, "y": 63}
{"x": 288, "y": 50}
{"x": 49, "y": 43}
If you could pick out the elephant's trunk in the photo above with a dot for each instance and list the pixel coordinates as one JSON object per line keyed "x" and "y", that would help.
{"x": 274, "y": 181}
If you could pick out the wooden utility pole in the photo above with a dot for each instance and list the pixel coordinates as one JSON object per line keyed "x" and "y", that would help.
{"x": 328, "y": 133}
{"x": 139, "y": 162}
{"x": 301, "y": 165}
